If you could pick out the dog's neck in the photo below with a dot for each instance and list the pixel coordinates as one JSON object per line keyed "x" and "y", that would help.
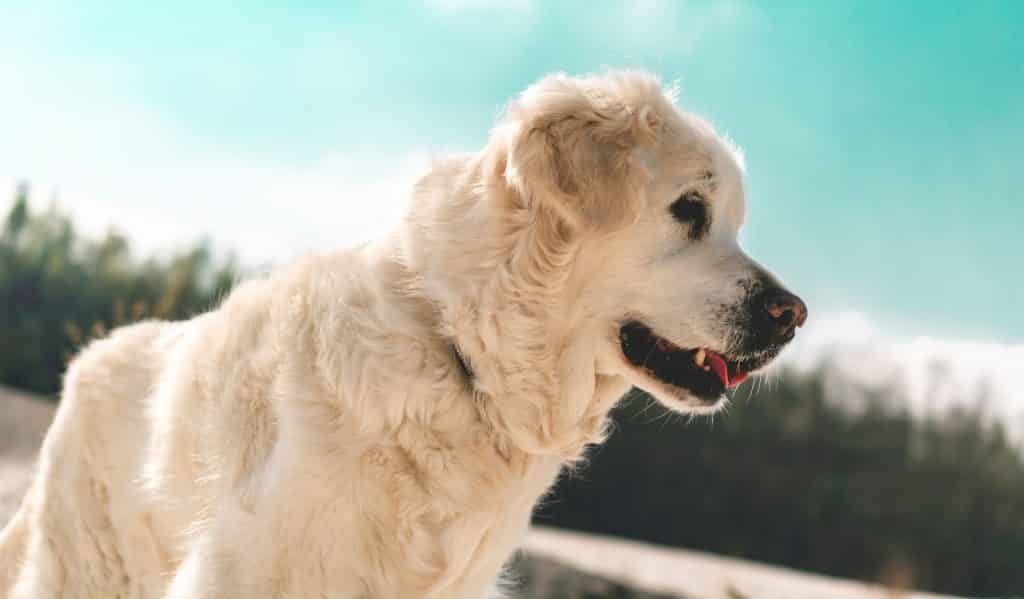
{"x": 498, "y": 270}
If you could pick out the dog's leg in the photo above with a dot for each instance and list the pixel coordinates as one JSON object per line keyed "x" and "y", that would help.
{"x": 39, "y": 572}
{"x": 13, "y": 540}
{"x": 219, "y": 568}
{"x": 224, "y": 560}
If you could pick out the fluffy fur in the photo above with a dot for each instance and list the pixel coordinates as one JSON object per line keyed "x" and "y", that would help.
{"x": 314, "y": 436}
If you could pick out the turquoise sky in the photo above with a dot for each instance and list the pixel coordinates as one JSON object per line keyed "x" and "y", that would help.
{"x": 884, "y": 140}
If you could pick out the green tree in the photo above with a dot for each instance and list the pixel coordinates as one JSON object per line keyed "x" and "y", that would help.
{"x": 58, "y": 289}
{"x": 797, "y": 478}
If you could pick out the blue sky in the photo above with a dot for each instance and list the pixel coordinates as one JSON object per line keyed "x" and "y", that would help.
{"x": 884, "y": 140}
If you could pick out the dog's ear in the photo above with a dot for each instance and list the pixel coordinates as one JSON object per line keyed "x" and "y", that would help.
{"x": 572, "y": 144}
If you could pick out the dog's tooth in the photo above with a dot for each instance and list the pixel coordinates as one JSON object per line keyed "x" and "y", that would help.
{"x": 698, "y": 358}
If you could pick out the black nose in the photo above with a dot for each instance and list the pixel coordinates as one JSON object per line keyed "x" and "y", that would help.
{"x": 785, "y": 312}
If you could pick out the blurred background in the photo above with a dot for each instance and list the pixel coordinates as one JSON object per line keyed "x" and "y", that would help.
{"x": 152, "y": 154}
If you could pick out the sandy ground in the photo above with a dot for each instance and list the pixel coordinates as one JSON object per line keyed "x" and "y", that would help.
{"x": 23, "y": 421}
{"x": 695, "y": 574}
{"x": 557, "y": 564}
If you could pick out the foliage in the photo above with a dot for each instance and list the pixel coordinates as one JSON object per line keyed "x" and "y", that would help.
{"x": 793, "y": 478}
{"x": 58, "y": 289}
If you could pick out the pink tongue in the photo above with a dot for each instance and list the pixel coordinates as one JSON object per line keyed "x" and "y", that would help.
{"x": 719, "y": 366}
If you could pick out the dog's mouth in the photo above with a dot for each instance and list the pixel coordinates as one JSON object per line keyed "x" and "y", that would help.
{"x": 701, "y": 371}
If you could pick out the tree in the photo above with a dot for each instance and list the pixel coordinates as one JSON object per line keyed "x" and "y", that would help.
{"x": 59, "y": 289}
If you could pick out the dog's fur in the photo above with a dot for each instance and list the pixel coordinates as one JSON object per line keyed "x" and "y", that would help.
{"x": 318, "y": 436}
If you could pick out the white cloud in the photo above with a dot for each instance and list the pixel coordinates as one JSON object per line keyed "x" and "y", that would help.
{"x": 267, "y": 213}
{"x": 113, "y": 162}
{"x": 938, "y": 375}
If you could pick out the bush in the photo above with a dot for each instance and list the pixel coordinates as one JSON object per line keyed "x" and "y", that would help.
{"x": 59, "y": 289}
{"x": 793, "y": 478}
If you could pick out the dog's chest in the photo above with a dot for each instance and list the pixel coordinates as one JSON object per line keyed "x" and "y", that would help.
{"x": 454, "y": 515}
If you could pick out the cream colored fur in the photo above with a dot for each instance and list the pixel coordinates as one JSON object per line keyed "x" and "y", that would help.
{"x": 314, "y": 435}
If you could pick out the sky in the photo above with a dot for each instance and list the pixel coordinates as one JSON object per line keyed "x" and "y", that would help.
{"x": 883, "y": 140}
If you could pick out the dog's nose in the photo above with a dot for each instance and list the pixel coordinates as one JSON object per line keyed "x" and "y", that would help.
{"x": 785, "y": 312}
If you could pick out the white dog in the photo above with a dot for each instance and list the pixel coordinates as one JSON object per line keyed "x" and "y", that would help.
{"x": 379, "y": 422}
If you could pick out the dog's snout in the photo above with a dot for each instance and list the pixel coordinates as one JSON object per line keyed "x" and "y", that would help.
{"x": 785, "y": 312}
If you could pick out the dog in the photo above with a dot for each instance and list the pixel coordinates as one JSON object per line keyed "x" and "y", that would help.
{"x": 379, "y": 422}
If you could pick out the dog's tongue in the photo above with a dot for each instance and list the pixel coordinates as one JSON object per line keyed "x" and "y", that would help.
{"x": 721, "y": 369}
{"x": 719, "y": 366}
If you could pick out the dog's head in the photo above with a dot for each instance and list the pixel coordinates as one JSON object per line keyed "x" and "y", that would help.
{"x": 654, "y": 199}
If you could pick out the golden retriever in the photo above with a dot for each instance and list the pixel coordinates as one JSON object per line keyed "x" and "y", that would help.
{"x": 380, "y": 421}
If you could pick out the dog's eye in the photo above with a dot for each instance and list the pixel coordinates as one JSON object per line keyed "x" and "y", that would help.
{"x": 691, "y": 209}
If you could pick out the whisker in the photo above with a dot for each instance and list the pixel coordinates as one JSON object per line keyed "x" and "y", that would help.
{"x": 650, "y": 403}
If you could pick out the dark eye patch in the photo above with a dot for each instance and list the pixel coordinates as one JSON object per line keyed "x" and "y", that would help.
{"x": 691, "y": 209}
